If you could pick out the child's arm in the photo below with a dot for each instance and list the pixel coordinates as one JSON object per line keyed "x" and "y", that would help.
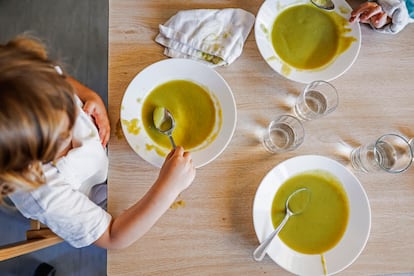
{"x": 93, "y": 106}
{"x": 177, "y": 173}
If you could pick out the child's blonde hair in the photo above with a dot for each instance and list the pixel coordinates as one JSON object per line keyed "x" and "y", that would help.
{"x": 34, "y": 98}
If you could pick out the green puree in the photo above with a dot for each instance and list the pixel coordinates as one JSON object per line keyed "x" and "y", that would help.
{"x": 192, "y": 108}
{"x": 323, "y": 222}
{"x": 306, "y": 37}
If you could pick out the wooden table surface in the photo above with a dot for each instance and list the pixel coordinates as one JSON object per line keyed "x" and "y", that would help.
{"x": 213, "y": 234}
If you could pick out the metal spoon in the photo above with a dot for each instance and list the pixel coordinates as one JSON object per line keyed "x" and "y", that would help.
{"x": 164, "y": 122}
{"x": 261, "y": 250}
{"x": 324, "y": 4}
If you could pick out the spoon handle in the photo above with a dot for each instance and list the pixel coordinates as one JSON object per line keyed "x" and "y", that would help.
{"x": 261, "y": 250}
{"x": 172, "y": 141}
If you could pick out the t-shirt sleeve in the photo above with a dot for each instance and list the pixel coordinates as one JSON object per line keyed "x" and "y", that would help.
{"x": 67, "y": 212}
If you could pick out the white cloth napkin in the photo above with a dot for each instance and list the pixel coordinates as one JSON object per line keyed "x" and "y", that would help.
{"x": 212, "y": 36}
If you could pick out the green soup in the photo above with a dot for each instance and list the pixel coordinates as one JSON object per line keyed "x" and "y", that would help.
{"x": 192, "y": 107}
{"x": 306, "y": 37}
{"x": 323, "y": 222}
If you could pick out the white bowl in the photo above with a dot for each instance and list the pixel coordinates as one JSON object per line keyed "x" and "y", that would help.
{"x": 266, "y": 16}
{"x": 356, "y": 234}
{"x": 177, "y": 69}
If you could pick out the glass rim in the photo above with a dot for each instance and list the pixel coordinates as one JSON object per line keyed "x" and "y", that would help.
{"x": 321, "y": 81}
{"x": 405, "y": 141}
{"x": 294, "y": 118}
{"x": 299, "y": 123}
{"x": 335, "y": 91}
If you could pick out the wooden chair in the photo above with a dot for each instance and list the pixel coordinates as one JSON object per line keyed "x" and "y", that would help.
{"x": 37, "y": 237}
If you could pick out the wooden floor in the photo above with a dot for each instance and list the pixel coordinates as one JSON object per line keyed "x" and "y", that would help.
{"x": 76, "y": 33}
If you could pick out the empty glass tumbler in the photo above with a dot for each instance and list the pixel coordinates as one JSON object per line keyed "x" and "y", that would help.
{"x": 318, "y": 99}
{"x": 391, "y": 153}
{"x": 283, "y": 134}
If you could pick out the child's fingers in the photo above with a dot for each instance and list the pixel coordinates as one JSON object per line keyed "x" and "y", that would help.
{"x": 88, "y": 108}
{"x": 103, "y": 126}
{"x": 371, "y": 12}
{"x": 364, "y": 12}
{"x": 371, "y": 9}
{"x": 179, "y": 150}
{"x": 170, "y": 154}
{"x": 379, "y": 20}
{"x": 104, "y": 134}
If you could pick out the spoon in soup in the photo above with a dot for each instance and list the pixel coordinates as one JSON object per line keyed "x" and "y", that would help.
{"x": 164, "y": 122}
{"x": 295, "y": 204}
{"x": 324, "y": 4}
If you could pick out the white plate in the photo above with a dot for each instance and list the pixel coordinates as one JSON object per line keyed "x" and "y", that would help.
{"x": 177, "y": 69}
{"x": 356, "y": 233}
{"x": 266, "y": 16}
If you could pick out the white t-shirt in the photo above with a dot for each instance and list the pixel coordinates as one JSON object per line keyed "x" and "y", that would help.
{"x": 62, "y": 203}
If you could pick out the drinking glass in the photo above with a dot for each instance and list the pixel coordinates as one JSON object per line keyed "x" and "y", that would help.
{"x": 318, "y": 99}
{"x": 391, "y": 153}
{"x": 283, "y": 134}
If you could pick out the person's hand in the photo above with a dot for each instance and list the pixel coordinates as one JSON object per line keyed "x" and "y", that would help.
{"x": 370, "y": 12}
{"x": 178, "y": 171}
{"x": 95, "y": 108}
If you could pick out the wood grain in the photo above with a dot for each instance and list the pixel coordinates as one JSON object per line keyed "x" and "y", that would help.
{"x": 213, "y": 234}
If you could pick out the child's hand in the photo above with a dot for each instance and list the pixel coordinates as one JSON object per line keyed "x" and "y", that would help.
{"x": 370, "y": 12}
{"x": 94, "y": 107}
{"x": 178, "y": 171}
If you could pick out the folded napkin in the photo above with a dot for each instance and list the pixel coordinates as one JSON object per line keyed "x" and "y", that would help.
{"x": 215, "y": 37}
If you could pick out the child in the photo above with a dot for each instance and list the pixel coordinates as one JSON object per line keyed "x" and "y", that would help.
{"x": 386, "y": 16}
{"x": 52, "y": 154}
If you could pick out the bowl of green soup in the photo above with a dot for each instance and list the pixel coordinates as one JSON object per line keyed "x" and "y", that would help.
{"x": 198, "y": 98}
{"x": 330, "y": 234}
{"x": 305, "y": 43}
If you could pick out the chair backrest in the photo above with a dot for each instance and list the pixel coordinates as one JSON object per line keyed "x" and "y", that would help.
{"x": 37, "y": 237}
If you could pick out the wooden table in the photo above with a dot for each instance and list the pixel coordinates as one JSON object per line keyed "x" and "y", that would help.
{"x": 213, "y": 234}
